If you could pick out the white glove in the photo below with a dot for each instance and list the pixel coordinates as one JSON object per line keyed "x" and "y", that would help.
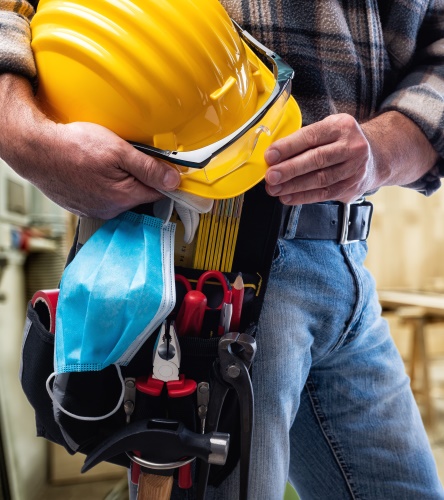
{"x": 188, "y": 207}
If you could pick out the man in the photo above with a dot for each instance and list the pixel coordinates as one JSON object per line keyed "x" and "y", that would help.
{"x": 334, "y": 411}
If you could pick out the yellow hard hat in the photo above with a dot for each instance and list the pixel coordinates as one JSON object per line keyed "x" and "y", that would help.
{"x": 177, "y": 78}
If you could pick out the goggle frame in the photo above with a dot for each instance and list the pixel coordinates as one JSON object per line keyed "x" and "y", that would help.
{"x": 200, "y": 158}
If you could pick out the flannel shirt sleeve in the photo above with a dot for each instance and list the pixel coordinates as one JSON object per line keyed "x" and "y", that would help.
{"x": 420, "y": 93}
{"x": 15, "y": 38}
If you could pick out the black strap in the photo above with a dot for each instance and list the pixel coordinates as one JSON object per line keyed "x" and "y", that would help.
{"x": 324, "y": 221}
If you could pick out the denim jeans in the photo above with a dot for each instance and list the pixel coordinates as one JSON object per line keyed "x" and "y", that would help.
{"x": 334, "y": 411}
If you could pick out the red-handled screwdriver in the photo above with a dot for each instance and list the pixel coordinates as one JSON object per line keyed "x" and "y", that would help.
{"x": 191, "y": 314}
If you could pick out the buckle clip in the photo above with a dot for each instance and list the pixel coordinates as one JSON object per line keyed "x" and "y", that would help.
{"x": 345, "y": 225}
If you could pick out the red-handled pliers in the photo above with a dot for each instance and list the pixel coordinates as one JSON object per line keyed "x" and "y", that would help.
{"x": 166, "y": 365}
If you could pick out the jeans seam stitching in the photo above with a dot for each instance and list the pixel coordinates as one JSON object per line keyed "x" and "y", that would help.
{"x": 360, "y": 296}
{"x": 317, "y": 411}
{"x": 275, "y": 265}
{"x": 358, "y": 304}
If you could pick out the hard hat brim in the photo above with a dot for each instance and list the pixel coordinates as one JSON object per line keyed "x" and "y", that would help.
{"x": 250, "y": 173}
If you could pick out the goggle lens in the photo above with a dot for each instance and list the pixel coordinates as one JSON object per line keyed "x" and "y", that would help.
{"x": 239, "y": 152}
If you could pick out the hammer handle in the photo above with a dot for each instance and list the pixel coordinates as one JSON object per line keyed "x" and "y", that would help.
{"x": 154, "y": 487}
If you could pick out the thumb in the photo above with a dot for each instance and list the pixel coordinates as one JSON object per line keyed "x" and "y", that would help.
{"x": 151, "y": 171}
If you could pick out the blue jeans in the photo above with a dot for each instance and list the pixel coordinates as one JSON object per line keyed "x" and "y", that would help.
{"x": 334, "y": 411}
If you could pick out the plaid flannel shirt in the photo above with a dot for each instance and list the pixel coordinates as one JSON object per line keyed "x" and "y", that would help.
{"x": 360, "y": 57}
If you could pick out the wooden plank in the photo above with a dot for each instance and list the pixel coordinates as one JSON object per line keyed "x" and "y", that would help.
{"x": 431, "y": 302}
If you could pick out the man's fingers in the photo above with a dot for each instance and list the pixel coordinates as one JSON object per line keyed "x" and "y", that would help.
{"x": 317, "y": 159}
{"x": 126, "y": 194}
{"x": 326, "y": 184}
{"x": 151, "y": 171}
{"x": 345, "y": 191}
{"x": 311, "y": 136}
{"x": 318, "y": 179}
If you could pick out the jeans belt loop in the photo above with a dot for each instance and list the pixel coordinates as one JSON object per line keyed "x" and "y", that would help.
{"x": 292, "y": 222}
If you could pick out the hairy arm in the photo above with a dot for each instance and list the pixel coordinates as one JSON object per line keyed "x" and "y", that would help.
{"x": 83, "y": 167}
{"x": 338, "y": 159}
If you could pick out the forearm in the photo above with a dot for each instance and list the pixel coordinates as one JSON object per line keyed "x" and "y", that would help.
{"x": 401, "y": 152}
{"x": 24, "y": 129}
{"x": 418, "y": 93}
{"x": 83, "y": 167}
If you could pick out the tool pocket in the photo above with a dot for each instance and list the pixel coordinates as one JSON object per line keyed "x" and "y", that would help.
{"x": 214, "y": 294}
{"x": 86, "y": 393}
{"x": 36, "y": 366}
{"x": 97, "y": 393}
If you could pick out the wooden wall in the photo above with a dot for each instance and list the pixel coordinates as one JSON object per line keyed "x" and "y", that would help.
{"x": 406, "y": 243}
{"x": 406, "y": 250}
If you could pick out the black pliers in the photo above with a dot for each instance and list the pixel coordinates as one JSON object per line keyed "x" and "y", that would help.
{"x": 236, "y": 352}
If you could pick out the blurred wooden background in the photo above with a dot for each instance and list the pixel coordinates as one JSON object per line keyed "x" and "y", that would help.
{"x": 406, "y": 246}
{"x": 406, "y": 243}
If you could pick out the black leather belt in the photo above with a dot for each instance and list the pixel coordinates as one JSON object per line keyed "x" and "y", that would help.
{"x": 342, "y": 222}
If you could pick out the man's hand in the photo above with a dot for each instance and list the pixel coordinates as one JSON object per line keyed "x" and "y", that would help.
{"x": 83, "y": 167}
{"x": 338, "y": 159}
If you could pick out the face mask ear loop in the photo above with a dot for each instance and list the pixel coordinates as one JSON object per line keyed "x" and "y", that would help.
{"x": 79, "y": 417}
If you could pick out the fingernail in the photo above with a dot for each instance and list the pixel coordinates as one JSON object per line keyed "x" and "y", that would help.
{"x": 171, "y": 179}
{"x": 274, "y": 177}
{"x": 273, "y": 190}
{"x": 286, "y": 199}
{"x": 272, "y": 156}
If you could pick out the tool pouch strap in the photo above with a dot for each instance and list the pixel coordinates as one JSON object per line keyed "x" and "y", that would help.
{"x": 99, "y": 391}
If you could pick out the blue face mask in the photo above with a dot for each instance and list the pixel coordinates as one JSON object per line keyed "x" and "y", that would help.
{"x": 115, "y": 293}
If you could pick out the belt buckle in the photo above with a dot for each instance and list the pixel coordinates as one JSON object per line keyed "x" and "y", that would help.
{"x": 345, "y": 225}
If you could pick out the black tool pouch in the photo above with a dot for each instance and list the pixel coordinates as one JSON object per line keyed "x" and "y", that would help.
{"x": 96, "y": 393}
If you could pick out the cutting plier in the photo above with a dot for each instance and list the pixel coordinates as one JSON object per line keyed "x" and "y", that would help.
{"x": 231, "y": 371}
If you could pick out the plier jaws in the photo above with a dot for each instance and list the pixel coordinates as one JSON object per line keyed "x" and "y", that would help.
{"x": 166, "y": 354}
{"x": 231, "y": 371}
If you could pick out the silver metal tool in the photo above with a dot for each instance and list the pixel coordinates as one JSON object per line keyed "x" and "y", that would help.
{"x": 166, "y": 355}
{"x": 203, "y": 398}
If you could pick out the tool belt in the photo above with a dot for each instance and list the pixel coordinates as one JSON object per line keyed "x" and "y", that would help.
{"x": 156, "y": 427}
{"x": 168, "y": 425}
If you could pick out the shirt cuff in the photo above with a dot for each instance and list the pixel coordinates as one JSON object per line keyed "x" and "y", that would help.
{"x": 15, "y": 45}
{"x": 424, "y": 105}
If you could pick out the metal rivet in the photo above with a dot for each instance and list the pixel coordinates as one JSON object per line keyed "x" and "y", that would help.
{"x": 233, "y": 371}
{"x": 129, "y": 406}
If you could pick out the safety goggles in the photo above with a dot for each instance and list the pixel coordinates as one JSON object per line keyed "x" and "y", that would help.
{"x": 222, "y": 157}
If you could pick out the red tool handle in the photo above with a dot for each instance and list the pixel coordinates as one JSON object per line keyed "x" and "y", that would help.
{"x": 191, "y": 314}
{"x": 45, "y": 304}
{"x": 184, "y": 480}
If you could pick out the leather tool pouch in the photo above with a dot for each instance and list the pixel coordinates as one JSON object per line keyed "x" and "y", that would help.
{"x": 96, "y": 393}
